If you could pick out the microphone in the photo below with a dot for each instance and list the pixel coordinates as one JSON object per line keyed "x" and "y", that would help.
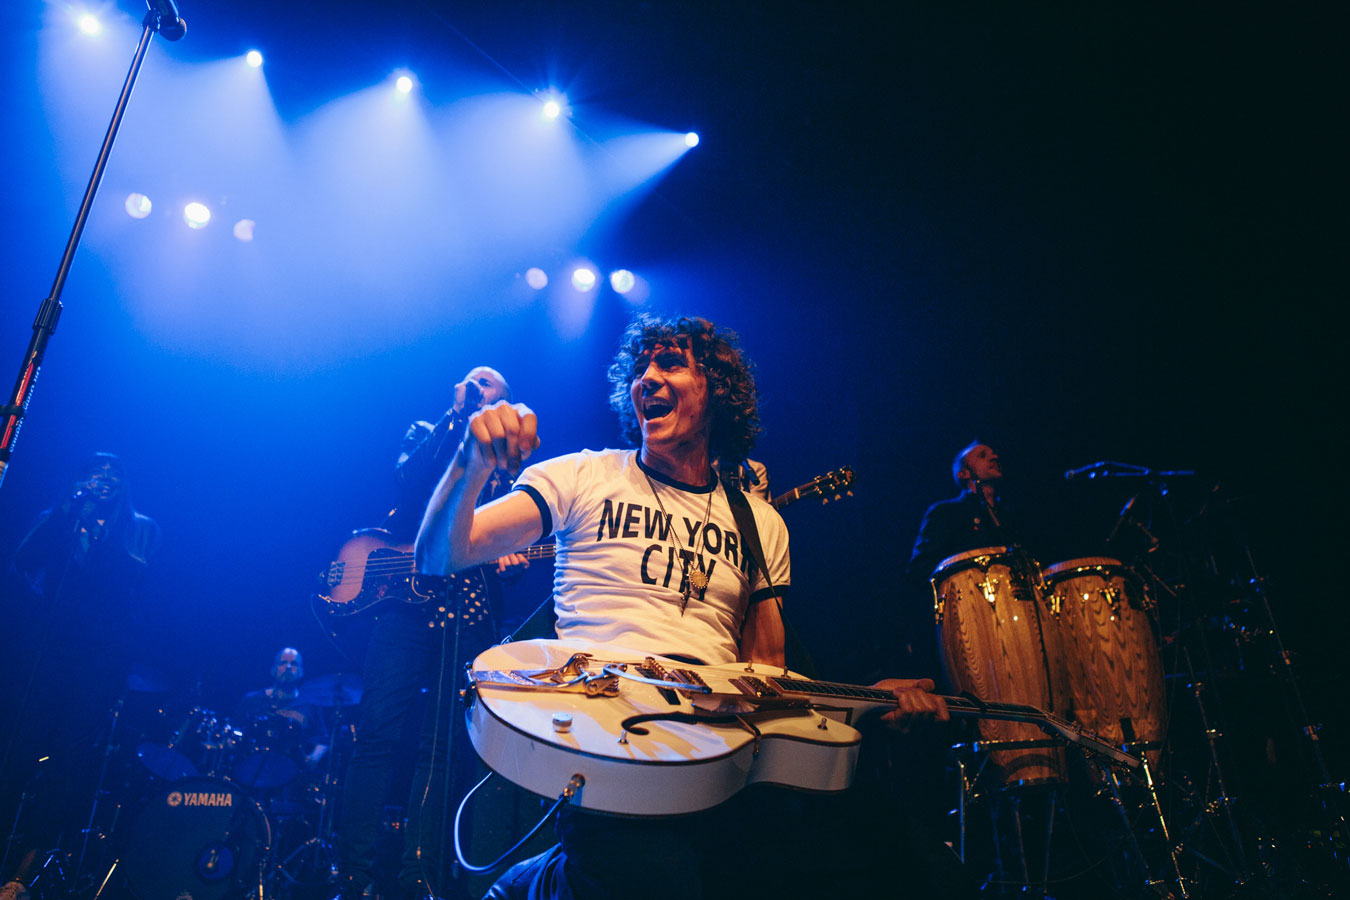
{"x": 1089, "y": 470}
{"x": 170, "y": 26}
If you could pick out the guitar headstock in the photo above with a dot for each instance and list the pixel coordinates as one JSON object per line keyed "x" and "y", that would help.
{"x": 834, "y": 485}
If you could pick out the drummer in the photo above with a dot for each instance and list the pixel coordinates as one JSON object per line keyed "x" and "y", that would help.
{"x": 284, "y": 699}
{"x": 971, "y": 519}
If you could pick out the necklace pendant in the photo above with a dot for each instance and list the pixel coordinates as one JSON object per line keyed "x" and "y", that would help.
{"x": 698, "y": 580}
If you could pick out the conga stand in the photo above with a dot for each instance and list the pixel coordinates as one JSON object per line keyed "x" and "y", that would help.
{"x": 1009, "y": 799}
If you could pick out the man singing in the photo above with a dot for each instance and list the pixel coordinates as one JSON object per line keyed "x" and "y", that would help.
{"x": 649, "y": 556}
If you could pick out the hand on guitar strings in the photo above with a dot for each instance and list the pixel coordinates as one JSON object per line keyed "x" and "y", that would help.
{"x": 512, "y": 564}
{"x": 917, "y": 705}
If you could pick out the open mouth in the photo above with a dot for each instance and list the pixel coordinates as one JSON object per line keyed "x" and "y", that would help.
{"x": 656, "y": 409}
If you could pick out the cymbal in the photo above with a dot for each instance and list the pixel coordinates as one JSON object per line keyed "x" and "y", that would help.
{"x": 332, "y": 690}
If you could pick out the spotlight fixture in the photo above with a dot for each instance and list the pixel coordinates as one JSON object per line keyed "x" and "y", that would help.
{"x": 691, "y": 139}
{"x": 536, "y": 278}
{"x": 243, "y": 229}
{"x": 583, "y": 279}
{"x": 89, "y": 24}
{"x": 253, "y": 58}
{"x": 622, "y": 281}
{"x": 138, "y": 206}
{"x": 196, "y": 215}
{"x": 404, "y": 85}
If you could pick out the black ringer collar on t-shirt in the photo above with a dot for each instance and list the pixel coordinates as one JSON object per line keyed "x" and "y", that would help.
{"x": 666, "y": 479}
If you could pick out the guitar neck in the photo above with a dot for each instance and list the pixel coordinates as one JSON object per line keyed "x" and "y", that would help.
{"x": 820, "y": 692}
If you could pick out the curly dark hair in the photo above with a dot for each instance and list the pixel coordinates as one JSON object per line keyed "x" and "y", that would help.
{"x": 733, "y": 398}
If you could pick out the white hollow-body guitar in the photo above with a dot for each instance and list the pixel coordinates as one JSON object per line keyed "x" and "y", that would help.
{"x": 652, "y": 736}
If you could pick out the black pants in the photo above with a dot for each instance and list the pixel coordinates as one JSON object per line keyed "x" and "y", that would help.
{"x": 405, "y": 658}
{"x": 766, "y": 842}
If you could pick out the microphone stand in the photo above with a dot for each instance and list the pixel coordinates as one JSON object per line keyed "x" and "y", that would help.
{"x": 49, "y": 312}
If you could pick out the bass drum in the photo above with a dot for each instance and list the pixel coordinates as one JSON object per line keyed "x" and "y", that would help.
{"x": 1115, "y": 671}
{"x": 989, "y": 618}
{"x": 201, "y": 838}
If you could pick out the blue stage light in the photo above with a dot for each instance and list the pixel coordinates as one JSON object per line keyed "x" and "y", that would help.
{"x": 89, "y": 24}
{"x": 404, "y": 84}
{"x": 253, "y": 58}
{"x": 622, "y": 281}
{"x": 691, "y": 139}
{"x": 138, "y": 206}
{"x": 196, "y": 215}
{"x": 243, "y": 229}
{"x": 583, "y": 279}
{"x": 536, "y": 278}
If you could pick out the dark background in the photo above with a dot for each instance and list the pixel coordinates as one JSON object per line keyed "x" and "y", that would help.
{"x": 1077, "y": 234}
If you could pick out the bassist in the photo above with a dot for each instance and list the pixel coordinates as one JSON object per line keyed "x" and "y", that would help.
{"x": 415, "y": 650}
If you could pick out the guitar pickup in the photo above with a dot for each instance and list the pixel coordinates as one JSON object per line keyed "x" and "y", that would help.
{"x": 518, "y": 679}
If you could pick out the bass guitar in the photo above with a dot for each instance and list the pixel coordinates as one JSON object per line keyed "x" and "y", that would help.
{"x": 371, "y": 568}
{"x": 651, "y": 736}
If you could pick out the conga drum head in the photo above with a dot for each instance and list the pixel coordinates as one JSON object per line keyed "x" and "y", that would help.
{"x": 994, "y": 645}
{"x": 202, "y": 838}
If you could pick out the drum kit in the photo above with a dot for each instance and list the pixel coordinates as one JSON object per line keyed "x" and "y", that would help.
{"x": 1109, "y": 645}
{"x": 217, "y": 809}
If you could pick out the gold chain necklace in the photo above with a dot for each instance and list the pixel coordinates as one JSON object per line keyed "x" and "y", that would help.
{"x": 696, "y": 580}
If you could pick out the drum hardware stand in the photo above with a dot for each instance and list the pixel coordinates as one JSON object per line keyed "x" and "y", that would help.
{"x": 109, "y": 748}
{"x": 1224, "y": 801}
{"x": 1140, "y": 748}
{"x": 1329, "y": 792}
{"x": 320, "y": 848}
{"x": 14, "y": 835}
{"x": 106, "y": 878}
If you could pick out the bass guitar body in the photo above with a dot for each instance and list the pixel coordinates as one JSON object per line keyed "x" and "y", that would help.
{"x": 370, "y": 568}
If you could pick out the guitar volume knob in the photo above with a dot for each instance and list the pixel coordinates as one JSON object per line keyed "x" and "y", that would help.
{"x": 562, "y": 722}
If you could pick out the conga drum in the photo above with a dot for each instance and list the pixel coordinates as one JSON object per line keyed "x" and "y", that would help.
{"x": 996, "y": 643}
{"x": 1115, "y": 671}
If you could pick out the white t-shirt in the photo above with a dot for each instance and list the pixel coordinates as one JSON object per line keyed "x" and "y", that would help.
{"x": 619, "y": 575}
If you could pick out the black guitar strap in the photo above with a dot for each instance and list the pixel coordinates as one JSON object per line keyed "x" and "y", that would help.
{"x": 796, "y": 651}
